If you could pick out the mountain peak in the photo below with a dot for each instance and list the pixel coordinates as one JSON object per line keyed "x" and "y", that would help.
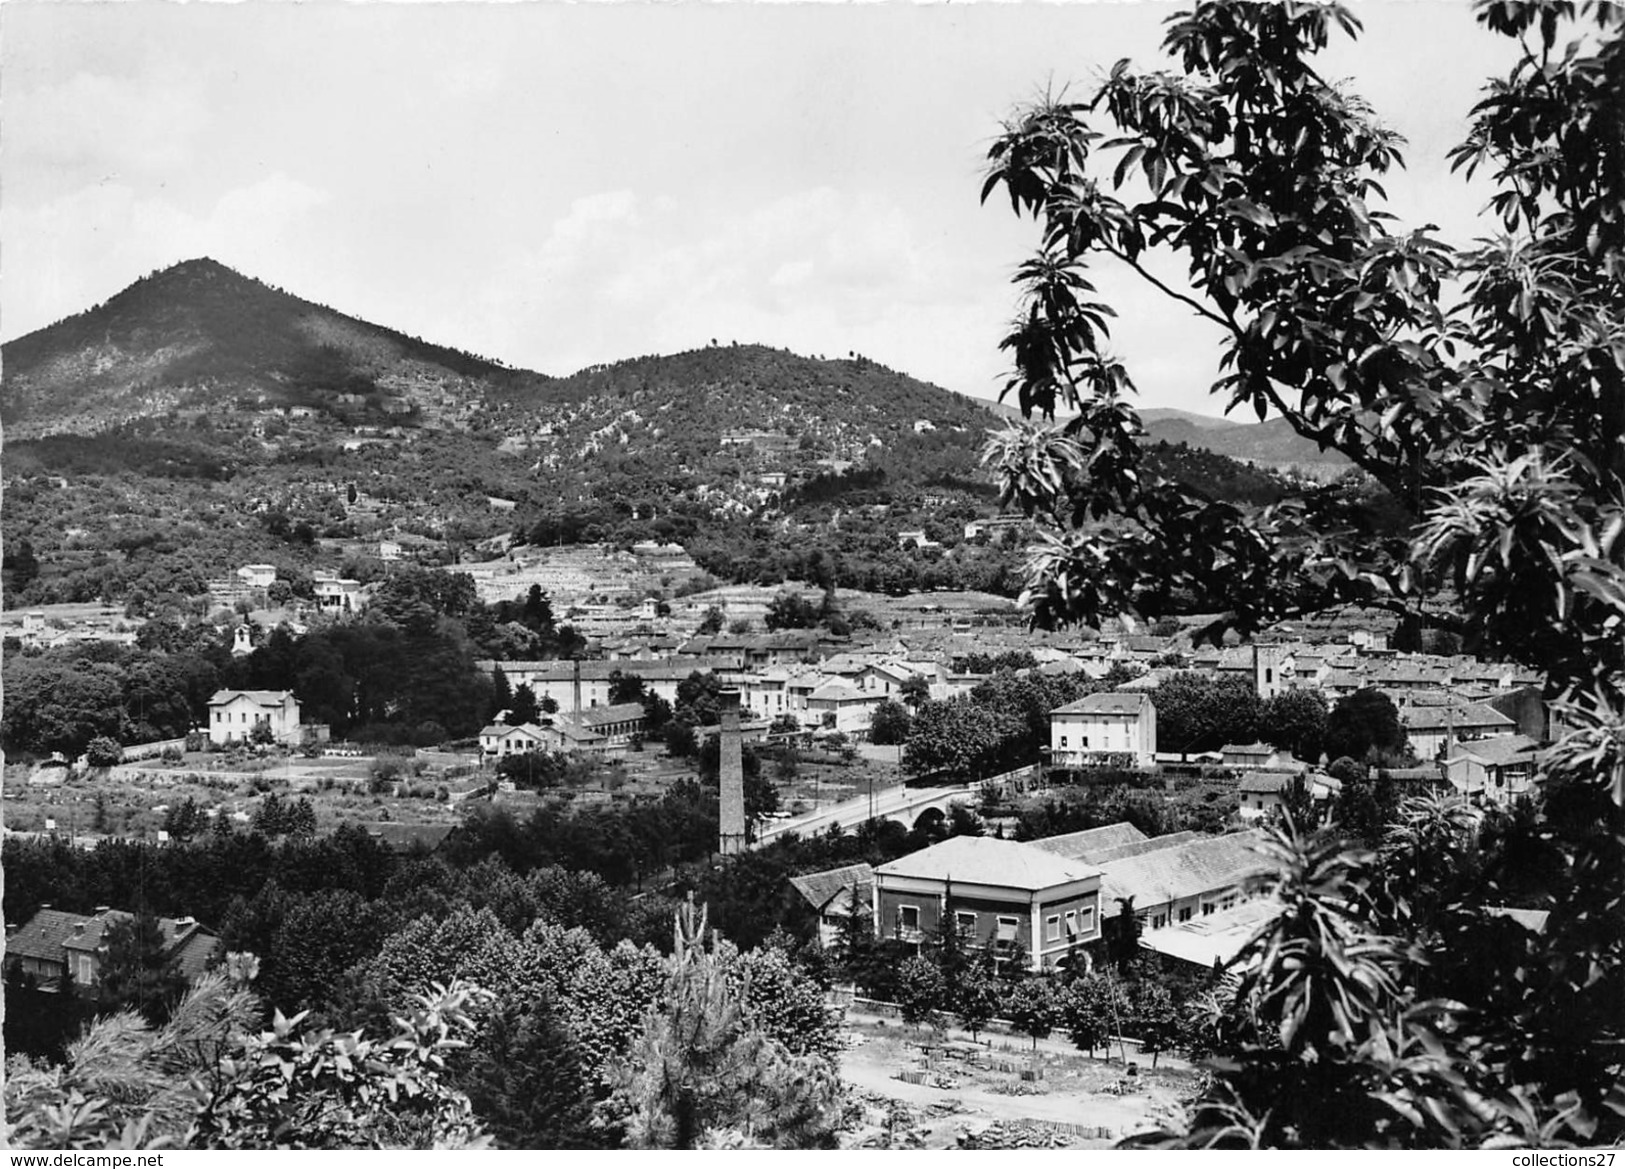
{"x": 199, "y": 333}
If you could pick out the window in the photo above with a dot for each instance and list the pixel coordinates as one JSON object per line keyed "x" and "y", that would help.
{"x": 1007, "y": 929}
{"x": 965, "y": 921}
{"x": 1186, "y": 914}
{"x": 1063, "y": 740}
{"x": 1071, "y": 923}
{"x": 1086, "y": 922}
{"x": 1052, "y": 927}
{"x": 908, "y": 916}
{"x": 219, "y": 717}
{"x": 1207, "y": 908}
{"x": 84, "y": 969}
{"x": 1159, "y": 921}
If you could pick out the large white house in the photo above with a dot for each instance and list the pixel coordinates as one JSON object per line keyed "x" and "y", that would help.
{"x": 1101, "y": 726}
{"x": 233, "y": 715}
{"x": 337, "y": 594}
{"x": 257, "y": 576}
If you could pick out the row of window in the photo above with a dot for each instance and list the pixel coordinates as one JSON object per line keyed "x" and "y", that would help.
{"x": 1078, "y": 922}
{"x": 220, "y": 716}
{"x": 1159, "y": 920}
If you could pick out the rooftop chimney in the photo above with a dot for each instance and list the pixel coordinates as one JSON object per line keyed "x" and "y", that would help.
{"x": 731, "y": 771}
{"x": 101, "y": 909}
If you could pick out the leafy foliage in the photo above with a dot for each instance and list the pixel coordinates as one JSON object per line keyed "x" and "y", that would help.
{"x": 1373, "y": 1009}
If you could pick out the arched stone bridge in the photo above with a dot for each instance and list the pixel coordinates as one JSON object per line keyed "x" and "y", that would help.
{"x": 908, "y": 806}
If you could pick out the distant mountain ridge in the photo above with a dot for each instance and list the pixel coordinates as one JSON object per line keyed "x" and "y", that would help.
{"x": 201, "y": 419}
{"x": 198, "y": 331}
{"x": 198, "y": 334}
{"x": 1272, "y": 443}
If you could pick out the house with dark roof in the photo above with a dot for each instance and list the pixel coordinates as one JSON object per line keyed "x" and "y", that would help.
{"x": 54, "y": 946}
{"x": 1002, "y": 894}
{"x": 616, "y": 724}
{"x": 1099, "y": 728}
{"x": 836, "y": 896}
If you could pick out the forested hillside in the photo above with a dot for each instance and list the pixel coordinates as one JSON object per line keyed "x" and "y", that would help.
{"x": 200, "y": 420}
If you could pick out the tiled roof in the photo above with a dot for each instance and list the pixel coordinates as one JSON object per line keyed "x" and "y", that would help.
{"x": 42, "y": 935}
{"x": 193, "y": 954}
{"x": 837, "y": 692}
{"x": 1438, "y": 718}
{"x": 50, "y": 932}
{"x": 619, "y": 712}
{"x": 1091, "y": 840}
{"x": 1499, "y": 751}
{"x": 982, "y": 860}
{"x": 820, "y": 889}
{"x": 1168, "y": 874}
{"x": 259, "y": 697}
{"x": 1247, "y": 749}
{"x": 1140, "y": 847}
{"x": 599, "y": 671}
{"x": 1106, "y": 702}
{"x": 528, "y": 729}
{"x": 1265, "y": 782}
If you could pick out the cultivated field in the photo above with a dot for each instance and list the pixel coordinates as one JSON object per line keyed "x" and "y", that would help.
{"x": 922, "y": 1089}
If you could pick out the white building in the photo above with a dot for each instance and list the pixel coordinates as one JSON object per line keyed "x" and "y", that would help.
{"x": 841, "y": 707}
{"x": 337, "y": 594}
{"x": 1100, "y": 726}
{"x": 499, "y": 740}
{"x": 1494, "y": 771}
{"x": 1432, "y": 729}
{"x": 257, "y": 576}
{"x": 233, "y": 715}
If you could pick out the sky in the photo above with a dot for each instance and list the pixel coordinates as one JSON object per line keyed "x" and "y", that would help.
{"x": 560, "y": 184}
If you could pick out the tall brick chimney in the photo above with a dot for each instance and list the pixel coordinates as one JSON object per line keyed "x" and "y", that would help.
{"x": 732, "y": 774}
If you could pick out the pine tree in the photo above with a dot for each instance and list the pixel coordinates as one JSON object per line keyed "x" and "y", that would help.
{"x": 527, "y": 1081}
{"x": 136, "y": 973}
{"x": 522, "y": 709}
{"x": 501, "y": 693}
{"x": 699, "y": 1068}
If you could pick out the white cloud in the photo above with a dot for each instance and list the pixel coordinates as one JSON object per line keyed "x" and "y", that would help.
{"x": 142, "y": 126}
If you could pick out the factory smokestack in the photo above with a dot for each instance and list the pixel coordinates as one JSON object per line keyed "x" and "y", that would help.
{"x": 732, "y": 773}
